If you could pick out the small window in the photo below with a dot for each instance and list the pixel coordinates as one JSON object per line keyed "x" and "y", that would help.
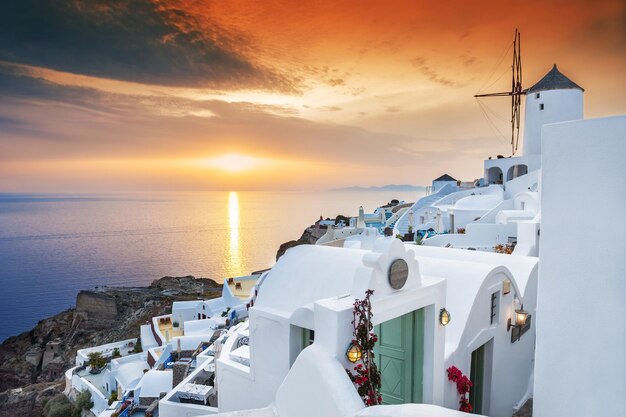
{"x": 494, "y": 307}
{"x": 537, "y": 95}
{"x": 308, "y": 336}
{"x": 541, "y": 106}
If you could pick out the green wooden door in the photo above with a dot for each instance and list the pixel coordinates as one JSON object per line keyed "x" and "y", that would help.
{"x": 399, "y": 357}
{"x": 477, "y": 372}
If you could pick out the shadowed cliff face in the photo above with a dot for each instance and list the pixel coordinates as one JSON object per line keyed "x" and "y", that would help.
{"x": 102, "y": 315}
{"x": 309, "y": 237}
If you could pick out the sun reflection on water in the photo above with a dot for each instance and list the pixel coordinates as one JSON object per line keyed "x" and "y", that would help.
{"x": 235, "y": 263}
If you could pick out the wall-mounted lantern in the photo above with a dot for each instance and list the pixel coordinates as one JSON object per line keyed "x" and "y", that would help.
{"x": 521, "y": 325}
{"x": 444, "y": 317}
{"x": 353, "y": 353}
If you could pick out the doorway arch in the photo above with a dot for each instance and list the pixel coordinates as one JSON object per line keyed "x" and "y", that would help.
{"x": 516, "y": 171}
{"x": 494, "y": 175}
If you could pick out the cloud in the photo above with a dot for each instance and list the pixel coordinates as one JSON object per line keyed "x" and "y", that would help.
{"x": 68, "y": 122}
{"x": 467, "y": 60}
{"x": 133, "y": 40}
{"x": 334, "y": 82}
{"x": 421, "y": 64}
{"x": 330, "y": 108}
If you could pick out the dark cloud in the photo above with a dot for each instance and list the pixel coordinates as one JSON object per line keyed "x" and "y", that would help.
{"x": 132, "y": 40}
{"x": 83, "y": 122}
{"x": 334, "y": 82}
{"x": 422, "y": 65}
{"x": 468, "y": 60}
{"x": 18, "y": 83}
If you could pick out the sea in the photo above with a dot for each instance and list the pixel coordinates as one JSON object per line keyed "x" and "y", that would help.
{"x": 53, "y": 246}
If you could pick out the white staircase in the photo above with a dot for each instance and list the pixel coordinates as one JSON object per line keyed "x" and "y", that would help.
{"x": 402, "y": 225}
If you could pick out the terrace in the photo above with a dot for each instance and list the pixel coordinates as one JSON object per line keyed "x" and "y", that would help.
{"x": 199, "y": 389}
{"x": 242, "y": 286}
{"x": 125, "y": 348}
{"x": 97, "y": 380}
{"x": 168, "y": 329}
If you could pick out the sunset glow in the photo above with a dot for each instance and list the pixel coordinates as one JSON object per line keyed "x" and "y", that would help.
{"x": 279, "y": 94}
{"x": 234, "y": 162}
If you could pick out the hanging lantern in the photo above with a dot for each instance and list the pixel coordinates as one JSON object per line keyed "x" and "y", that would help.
{"x": 353, "y": 353}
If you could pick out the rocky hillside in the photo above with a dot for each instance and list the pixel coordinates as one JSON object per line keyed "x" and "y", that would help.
{"x": 29, "y": 374}
{"x": 309, "y": 237}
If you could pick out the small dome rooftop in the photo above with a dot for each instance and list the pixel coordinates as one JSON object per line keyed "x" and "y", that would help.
{"x": 554, "y": 80}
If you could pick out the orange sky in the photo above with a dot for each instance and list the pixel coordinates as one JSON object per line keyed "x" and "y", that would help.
{"x": 194, "y": 95}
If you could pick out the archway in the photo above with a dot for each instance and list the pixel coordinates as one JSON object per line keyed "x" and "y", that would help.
{"x": 516, "y": 171}
{"x": 494, "y": 175}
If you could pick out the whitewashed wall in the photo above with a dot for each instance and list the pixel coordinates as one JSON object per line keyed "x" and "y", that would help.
{"x": 559, "y": 106}
{"x": 581, "y": 336}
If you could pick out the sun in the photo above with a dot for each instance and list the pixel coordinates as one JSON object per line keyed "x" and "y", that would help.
{"x": 233, "y": 162}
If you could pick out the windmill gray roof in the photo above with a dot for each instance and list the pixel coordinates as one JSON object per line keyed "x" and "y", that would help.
{"x": 445, "y": 177}
{"x": 554, "y": 80}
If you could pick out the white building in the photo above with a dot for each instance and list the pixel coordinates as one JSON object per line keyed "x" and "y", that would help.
{"x": 581, "y": 313}
{"x": 507, "y": 210}
{"x": 307, "y": 299}
{"x": 287, "y": 355}
{"x": 440, "y": 182}
{"x": 555, "y": 98}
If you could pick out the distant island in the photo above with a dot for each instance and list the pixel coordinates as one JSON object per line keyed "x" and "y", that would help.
{"x": 389, "y": 187}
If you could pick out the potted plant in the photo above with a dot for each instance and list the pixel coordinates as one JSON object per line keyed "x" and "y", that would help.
{"x": 116, "y": 353}
{"x": 137, "y": 348}
{"x": 96, "y": 362}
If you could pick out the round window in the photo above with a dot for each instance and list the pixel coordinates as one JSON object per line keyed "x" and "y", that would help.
{"x": 398, "y": 273}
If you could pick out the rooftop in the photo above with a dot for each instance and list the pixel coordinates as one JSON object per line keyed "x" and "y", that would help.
{"x": 444, "y": 177}
{"x": 242, "y": 286}
{"x": 554, "y": 80}
{"x": 97, "y": 380}
{"x": 168, "y": 330}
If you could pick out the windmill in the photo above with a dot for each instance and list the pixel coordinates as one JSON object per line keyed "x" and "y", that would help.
{"x": 516, "y": 92}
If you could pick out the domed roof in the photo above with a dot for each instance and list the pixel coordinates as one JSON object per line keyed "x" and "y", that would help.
{"x": 554, "y": 80}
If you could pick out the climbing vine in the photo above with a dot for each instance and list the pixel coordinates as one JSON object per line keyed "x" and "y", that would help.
{"x": 463, "y": 385}
{"x": 366, "y": 376}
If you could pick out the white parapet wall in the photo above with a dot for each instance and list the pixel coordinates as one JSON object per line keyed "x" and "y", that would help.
{"x": 316, "y": 374}
{"x": 125, "y": 347}
{"x": 477, "y": 235}
{"x": 581, "y": 313}
{"x": 100, "y": 402}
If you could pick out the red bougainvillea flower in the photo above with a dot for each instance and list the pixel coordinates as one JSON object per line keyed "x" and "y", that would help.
{"x": 463, "y": 385}
{"x": 464, "y": 405}
{"x": 454, "y": 373}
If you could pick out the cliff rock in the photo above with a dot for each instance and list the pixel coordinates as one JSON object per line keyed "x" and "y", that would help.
{"x": 31, "y": 361}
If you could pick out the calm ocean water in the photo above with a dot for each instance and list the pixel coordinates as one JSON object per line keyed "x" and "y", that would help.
{"x": 53, "y": 246}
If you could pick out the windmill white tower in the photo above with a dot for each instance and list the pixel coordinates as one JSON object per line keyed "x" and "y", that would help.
{"x": 555, "y": 98}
